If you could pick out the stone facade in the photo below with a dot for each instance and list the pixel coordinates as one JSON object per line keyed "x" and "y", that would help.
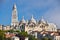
{"x": 57, "y": 37}
{"x": 33, "y": 25}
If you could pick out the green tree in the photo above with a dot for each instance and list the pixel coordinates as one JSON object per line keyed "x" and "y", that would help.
{"x": 23, "y": 34}
{"x": 50, "y": 39}
{"x": 11, "y": 31}
{"x": 1, "y": 35}
{"x": 17, "y": 31}
{"x": 32, "y": 37}
{"x": 45, "y": 38}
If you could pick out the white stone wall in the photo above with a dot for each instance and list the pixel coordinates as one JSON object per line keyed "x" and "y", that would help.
{"x": 15, "y": 38}
{"x": 51, "y": 27}
{"x": 7, "y": 27}
{"x": 57, "y": 38}
{"x": 26, "y": 38}
{"x": 1, "y": 27}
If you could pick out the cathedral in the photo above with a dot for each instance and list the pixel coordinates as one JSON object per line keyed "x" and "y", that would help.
{"x": 28, "y": 25}
{"x": 32, "y": 24}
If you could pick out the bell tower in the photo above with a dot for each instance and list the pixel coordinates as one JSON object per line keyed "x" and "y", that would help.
{"x": 14, "y": 20}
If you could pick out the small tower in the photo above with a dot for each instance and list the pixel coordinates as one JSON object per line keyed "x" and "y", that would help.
{"x": 14, "y": 16}
{"x": 23, "y": 20}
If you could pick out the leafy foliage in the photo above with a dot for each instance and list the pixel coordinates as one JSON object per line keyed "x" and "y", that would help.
{"x": 23, "y": 34}
{"x": 46, "y": 38}
{"x": 2, "y": 35}
{"x": 32, "y": 37}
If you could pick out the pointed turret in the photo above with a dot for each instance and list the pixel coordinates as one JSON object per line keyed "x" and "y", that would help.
{"x": 42, "y": 20}
{"x": 33, "y": 20}
{"x": 23, "y": 20}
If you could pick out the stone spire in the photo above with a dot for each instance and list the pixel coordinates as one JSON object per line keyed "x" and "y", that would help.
{"x": 14, "y": 16}
{"x": 14, "y": 6}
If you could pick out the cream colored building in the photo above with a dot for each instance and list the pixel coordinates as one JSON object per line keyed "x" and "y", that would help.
{"x": 57, "y": 37}
{"x": 8, "y": 27}
{"x": 26, "y": 38}
{"x": 1, "y": 27}
{"x": 33, "y": 25}
{"x": 15, "y": 38}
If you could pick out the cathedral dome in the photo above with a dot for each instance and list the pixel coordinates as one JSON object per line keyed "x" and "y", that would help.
{"x": 32, "y": 20}
{"x": 42, "y": 21}
{"x": 23, "y": 20}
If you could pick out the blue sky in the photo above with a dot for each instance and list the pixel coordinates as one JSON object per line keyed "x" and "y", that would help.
{"x": 49, "y": 9}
